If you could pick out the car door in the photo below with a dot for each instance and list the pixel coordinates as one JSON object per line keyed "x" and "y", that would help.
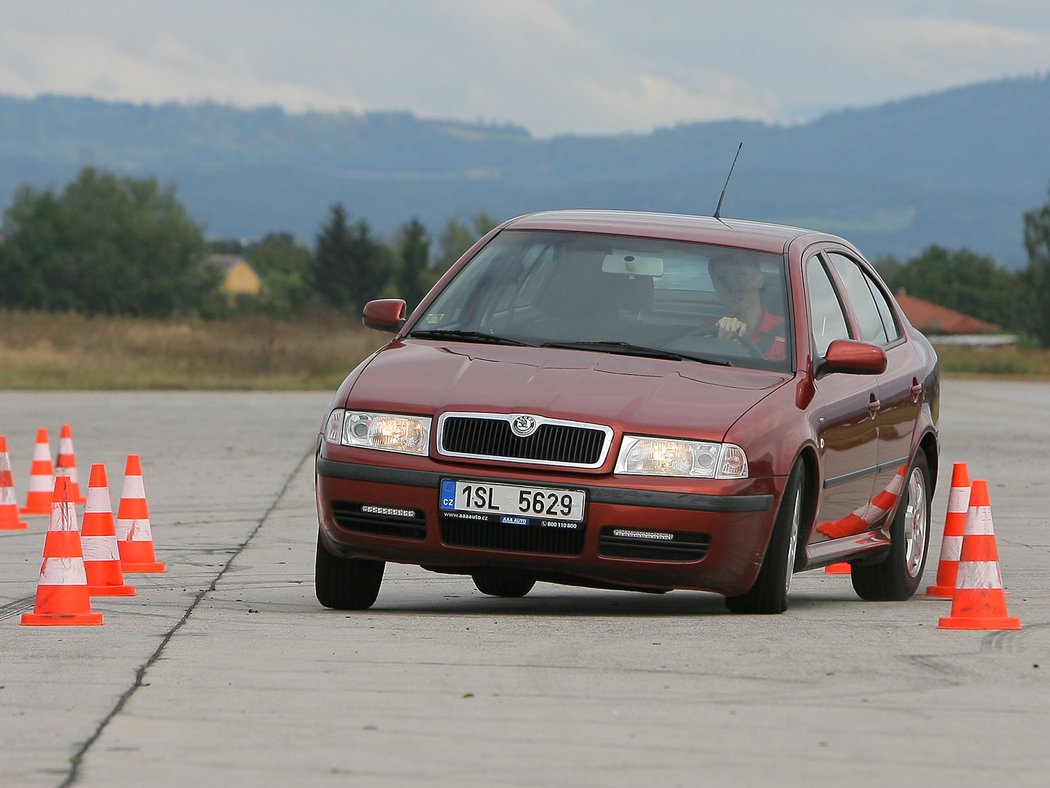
{"x": 900, "y": 391}
{"x": 846, "y": 433}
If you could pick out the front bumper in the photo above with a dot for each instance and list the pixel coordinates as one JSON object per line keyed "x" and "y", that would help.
{"x": 388, "y": 513}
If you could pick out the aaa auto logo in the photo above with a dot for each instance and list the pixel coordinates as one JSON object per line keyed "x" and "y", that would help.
{"x": 523, "y": 426}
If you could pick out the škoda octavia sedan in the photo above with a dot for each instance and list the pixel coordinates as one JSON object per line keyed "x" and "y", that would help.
{"x": 636, "y": 401}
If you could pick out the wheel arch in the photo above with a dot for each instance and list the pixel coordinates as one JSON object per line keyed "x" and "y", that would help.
{"x": 810, "y": 496}
{"x": 928, "y": 446}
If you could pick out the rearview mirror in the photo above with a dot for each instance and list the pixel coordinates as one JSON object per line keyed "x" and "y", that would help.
{"x": 627, "y": 263}
{"x": 853, "y": 357}
{"x": 386, "y": 314}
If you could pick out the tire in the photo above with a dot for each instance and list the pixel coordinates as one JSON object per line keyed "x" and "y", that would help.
{"x": 769, "y": 594}
{"x": 503, "y": 582}
{"x": 896, "y": 577}
{"x": 346, "y": 583}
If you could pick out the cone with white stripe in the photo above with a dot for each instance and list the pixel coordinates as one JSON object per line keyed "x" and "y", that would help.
{"x": 66, "y": 463}
{"x": 954, "y": 528}
{"x": 134, "y": 535}
{"x": 105, "y": 577}
{"x": 9, "y": 519}
{"x": 61, "y": 595}
{"x": 41, "y": 477}
{"x": 979, "y": 601}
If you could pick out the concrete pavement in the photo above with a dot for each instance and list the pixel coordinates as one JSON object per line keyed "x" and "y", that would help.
{"x": 226, "y": 668}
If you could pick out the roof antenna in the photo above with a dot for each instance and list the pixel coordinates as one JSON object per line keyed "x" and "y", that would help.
{"x": 722, "y": 196}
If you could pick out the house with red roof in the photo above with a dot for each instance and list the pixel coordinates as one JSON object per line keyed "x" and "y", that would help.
{"x": 945, "y": 326}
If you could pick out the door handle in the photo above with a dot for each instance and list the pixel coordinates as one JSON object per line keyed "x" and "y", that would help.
{"x": 873, "y": 406}
{"x": 916, "y": 390}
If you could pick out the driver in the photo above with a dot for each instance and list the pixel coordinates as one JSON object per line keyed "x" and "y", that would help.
{"x": 738, "y": 283}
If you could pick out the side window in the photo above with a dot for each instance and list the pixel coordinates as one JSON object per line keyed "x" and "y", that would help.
{"x": 859, "y": 295}
{"x": 893, "y": 332}
{"x": 829, "y": 321}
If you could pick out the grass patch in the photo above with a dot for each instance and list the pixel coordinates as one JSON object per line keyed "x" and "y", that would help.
{"x": 41, "y": 350}
{"x": 1008, "y": 361}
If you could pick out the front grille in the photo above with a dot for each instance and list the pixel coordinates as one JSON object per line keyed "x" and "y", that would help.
{"x": 493, "y": 535}
{"x": 644, "y": 545}
{"x": 555, "y": 443}
{"x": 349, "y": 515}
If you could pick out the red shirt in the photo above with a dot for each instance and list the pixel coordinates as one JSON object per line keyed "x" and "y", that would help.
{"x": 769, "y": 337}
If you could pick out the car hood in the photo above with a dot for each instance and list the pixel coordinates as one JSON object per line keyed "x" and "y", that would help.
{"x": 654, "y": 396}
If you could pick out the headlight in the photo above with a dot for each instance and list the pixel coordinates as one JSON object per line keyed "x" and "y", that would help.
{"x": 384, "y": 431}
{"x": 668, "y": 457}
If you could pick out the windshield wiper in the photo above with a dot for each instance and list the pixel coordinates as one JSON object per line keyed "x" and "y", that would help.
{"x": 627, "y": 349}
{"x": 467, "y": 336}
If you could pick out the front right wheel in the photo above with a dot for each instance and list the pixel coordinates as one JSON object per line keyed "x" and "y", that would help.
{"x": 896, "y": 577}
{"x": 769, "y": 594}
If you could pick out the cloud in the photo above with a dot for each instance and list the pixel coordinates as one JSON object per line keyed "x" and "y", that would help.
{"x": 84, "y": 65}
{"x": 555, "y": 66}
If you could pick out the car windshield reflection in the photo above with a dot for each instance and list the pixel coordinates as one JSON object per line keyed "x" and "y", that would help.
{"x": 655, "y": 298}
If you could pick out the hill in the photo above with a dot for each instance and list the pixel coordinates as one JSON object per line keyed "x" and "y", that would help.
{"x": 958, "y": 167}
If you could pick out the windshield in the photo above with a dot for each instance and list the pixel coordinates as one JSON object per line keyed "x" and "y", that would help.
{"x": 618, "y": 294}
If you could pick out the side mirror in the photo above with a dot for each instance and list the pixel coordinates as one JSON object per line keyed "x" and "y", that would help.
{"x": 386, "y": 314}
{"x": 853, "y": 357}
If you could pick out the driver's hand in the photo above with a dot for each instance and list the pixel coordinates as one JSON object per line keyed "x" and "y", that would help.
{"x": 731, "y": 328}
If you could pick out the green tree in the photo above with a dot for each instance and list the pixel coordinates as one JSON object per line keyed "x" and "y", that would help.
{"x": 105, "y": 245}
{"x": 226, "y": 246}
{"x": 286, "y": 268}
{"x": 413, "y": 251}
{"x": 1036, "y": 277}
{"x": 351, "y": 267}
{"x": 961, "y": 280}
{"x": 331, "y": 254}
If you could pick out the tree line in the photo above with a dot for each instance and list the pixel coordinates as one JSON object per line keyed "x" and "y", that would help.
{"x": 116, "y": 245}
{"x": 113, "y": 245}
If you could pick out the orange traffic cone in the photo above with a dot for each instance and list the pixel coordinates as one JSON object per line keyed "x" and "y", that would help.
{"x": 134, "y": 536}
{"x": 841, "y": 568}
{"x": 99, "y": 538}
{"x": 66, "y": 464}
{"x": 62, "y": 595}
{"x": 9, "y": 520}
{"x": 41, "y": 477}
{"x": 979, "y": 601}
{"x": 954, "y": 528}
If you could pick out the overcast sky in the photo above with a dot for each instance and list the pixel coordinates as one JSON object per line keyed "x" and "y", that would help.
{"x": 553, "y": 66}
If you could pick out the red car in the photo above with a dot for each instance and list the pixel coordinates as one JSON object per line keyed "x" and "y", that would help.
{"x": 636, "y": 401}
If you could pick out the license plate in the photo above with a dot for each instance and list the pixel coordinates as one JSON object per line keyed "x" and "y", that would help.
{"x": 513, "y": 501}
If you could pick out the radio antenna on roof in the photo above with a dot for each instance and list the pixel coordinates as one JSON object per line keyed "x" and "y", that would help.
{"x": 722, "y": 196}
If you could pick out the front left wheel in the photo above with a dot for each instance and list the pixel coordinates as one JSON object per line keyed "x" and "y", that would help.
{"x": 346, "y": 583}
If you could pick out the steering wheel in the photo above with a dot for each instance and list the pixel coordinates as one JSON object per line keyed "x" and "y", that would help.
{"x": 744, "y": 342}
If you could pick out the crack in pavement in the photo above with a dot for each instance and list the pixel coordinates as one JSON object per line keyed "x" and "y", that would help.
{"x": 78, "y": 757}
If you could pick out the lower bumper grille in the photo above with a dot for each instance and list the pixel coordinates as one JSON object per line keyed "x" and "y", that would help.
{"x": 380, "y": 520}
{"x": 515, "y": 538}
{"x": 641, "y": 545}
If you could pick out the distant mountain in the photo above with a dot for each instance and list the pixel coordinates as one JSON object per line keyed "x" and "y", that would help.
{"x": 958, "y": 168}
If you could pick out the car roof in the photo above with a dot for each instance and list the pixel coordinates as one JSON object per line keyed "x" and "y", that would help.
{"x": 741, "y": 233}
